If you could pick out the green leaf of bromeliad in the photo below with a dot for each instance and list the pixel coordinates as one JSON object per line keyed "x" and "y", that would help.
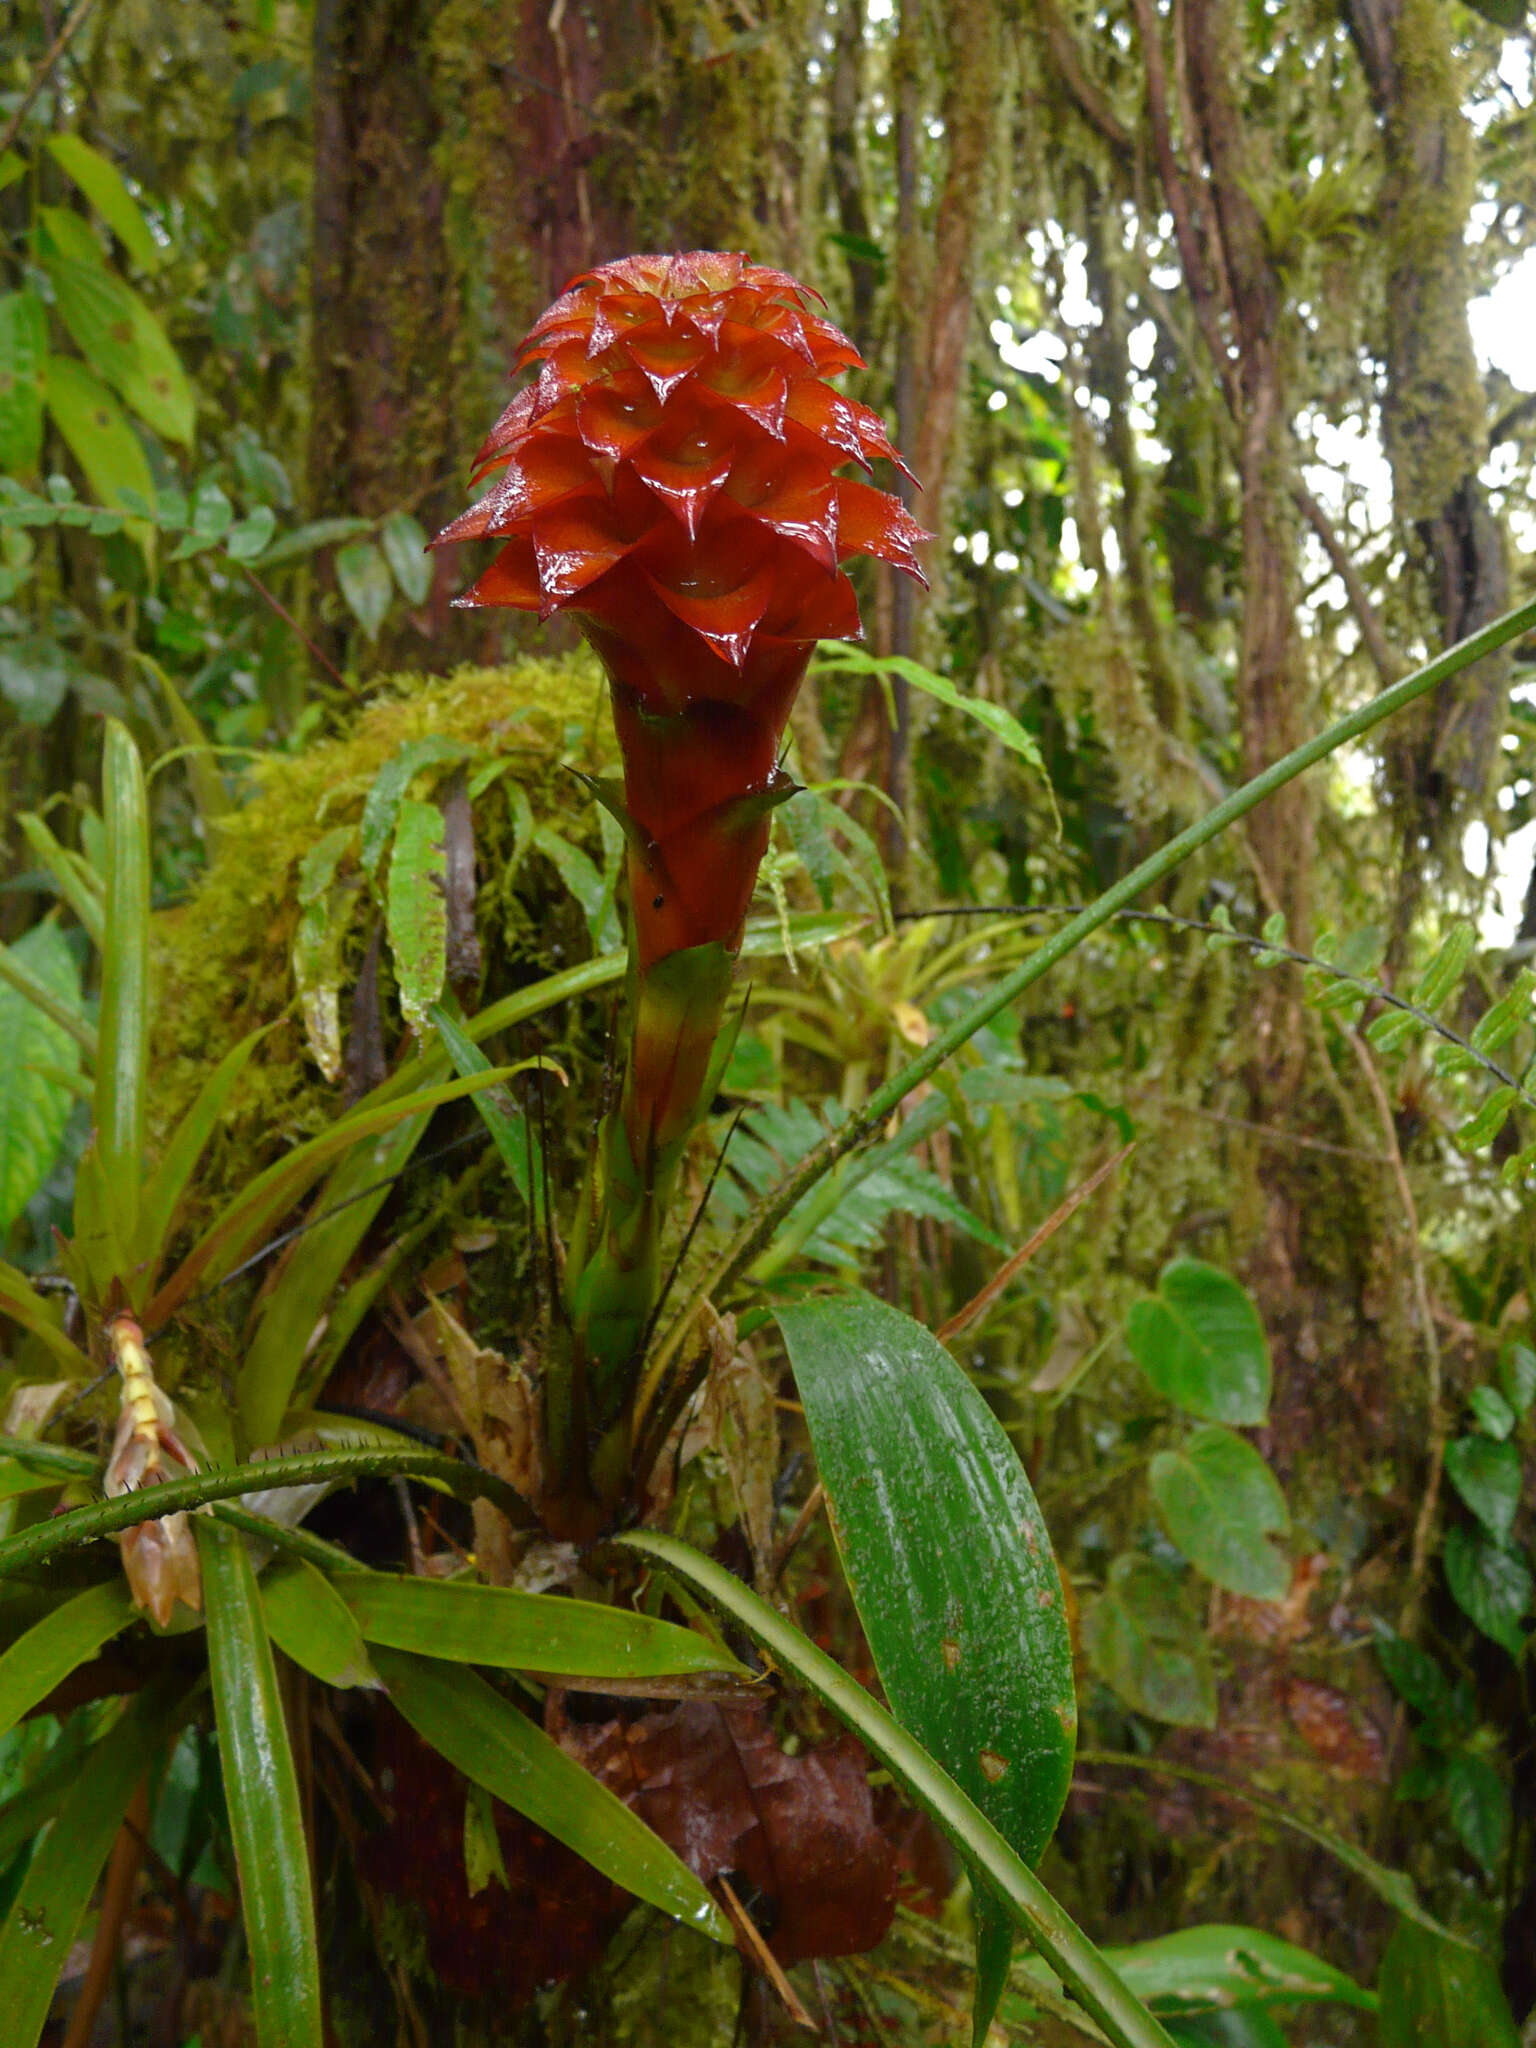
{"x": 262, "y": 1792}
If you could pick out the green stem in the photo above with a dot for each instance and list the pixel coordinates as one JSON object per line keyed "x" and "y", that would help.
{"x": 765, "y": 1219}
{"x": 35, "y": 1546}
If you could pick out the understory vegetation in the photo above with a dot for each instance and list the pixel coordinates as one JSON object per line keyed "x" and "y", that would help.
{"x": 1059, "y": 1564}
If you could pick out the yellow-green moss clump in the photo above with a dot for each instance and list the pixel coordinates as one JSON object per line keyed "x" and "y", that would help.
{"x": 223, "y": 959}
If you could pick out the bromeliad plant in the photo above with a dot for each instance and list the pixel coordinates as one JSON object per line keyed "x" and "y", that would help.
{"x": 669, "y": 480}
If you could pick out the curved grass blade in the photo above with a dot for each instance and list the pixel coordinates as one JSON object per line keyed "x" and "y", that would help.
{"x": 39, "y": 1930}
{"x": 485, "y": 1737}
{"x": 123, "y": 1059}
{"x": 1046, "y": 1925}
{"x": 273, "y": 1192}
{"x": 271, "y": 1855}
{"x": 471, "y": 1624}
{"x": 950, "y": 1567}
{"x": 510, "y": 1130}
{"x": 58, "y": 1644}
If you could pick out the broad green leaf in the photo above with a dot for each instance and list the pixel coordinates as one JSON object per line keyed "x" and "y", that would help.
{"x": 53, "y": 1647}
{"x": 1201, "y": 1344}
{"x": 245, "y": 540}
{"x": 311, "y": 1623}
{"x": 382, "y": 803}
{"x": 210, "y": 517}
{"x": 484, "y": 1736}
{"x": 1483, "y": 1127}
{"x": 1445, "y": 970}
{"x": 1220, "y": 1504}
{"x": 511, "y": 1132}
{"x": 1233, "y": 2026}
{"x": 1081, "y": 1967}
{"x": 39, "y": 1058}
{"x": 364, "y": 579}
{"x": 169, "y": 1181}
{"x": 37, "y": 673}
{"x": 1491, "y": 1584}
{"x": 262, "y": 1793}
{"x": 123, "y": 342}
{"x": 12, "y": 167}
{"x": 23, "y": 351}
{"x": 416, "y": 908}
{"x": 40, "y": 1929}
{"x": 474, "y": 1624}
{"x": 1517, "y": 1376}
{"x": 951, "y": 1569}
{"x": 304, "y": 540}
{"x": 1201, "y": 1967}
{"x": 1145, "y": 1640}
{"x": 98, "y": 435}
{"x": 1499, "y": 1023}
{"x": 405, "y": 549}
{"x": 1491, "y": 1412}
{"x": 1438, "y": 1994}
{"x": 1480, "y": 1811}
{"x": 1487, "y": 1476}
{"x": 101, "y": 182}
{"x": 1414, "y": 1674}
{"x": 123, "y": 1061}
{"x": 271, "y": 1193}
{"x": 62, "y": 232}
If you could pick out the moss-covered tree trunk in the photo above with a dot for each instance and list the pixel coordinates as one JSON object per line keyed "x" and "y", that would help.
{"x": 1435, "y": 419}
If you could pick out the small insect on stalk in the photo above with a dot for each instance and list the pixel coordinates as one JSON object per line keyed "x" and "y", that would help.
{"x": 159, "y": 1557}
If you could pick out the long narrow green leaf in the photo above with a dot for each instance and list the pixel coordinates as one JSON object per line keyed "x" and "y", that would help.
{"x": 124, "y": 1056}
{"x": 273, "y": 1193}
{"x": 40, "y": 1928}
{"x": 345, "y": 1206}
{"x": 71, "y": 876}
{"x": 511, "y": 1132}
{"x": 22, "y": 1305}
{"x": 169, "y": 1181}
{"x": 311, "y": 1623}
{"x": 473, "y": 1624}
{"x": 28, "y": 1811}
{"x": 950, "y": 1566}
{"x": 1044, "y": 1923}
{"x": 16, "y": 974}
{"x": 262, "y": 1792}
{"x": 56, "y": 1645}
{"x": 485, "y": 1737}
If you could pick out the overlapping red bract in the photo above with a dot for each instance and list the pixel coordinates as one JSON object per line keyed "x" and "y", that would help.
{"x": 670, "y": 479}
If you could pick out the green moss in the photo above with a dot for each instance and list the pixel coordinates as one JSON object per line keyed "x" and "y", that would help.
{"x": 222, "y": 959}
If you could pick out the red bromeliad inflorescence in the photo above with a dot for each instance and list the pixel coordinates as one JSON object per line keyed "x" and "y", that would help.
{"x": 670, "y": 479}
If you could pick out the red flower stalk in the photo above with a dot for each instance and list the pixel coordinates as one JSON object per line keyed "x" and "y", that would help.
{"x": 670, "y": 480}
